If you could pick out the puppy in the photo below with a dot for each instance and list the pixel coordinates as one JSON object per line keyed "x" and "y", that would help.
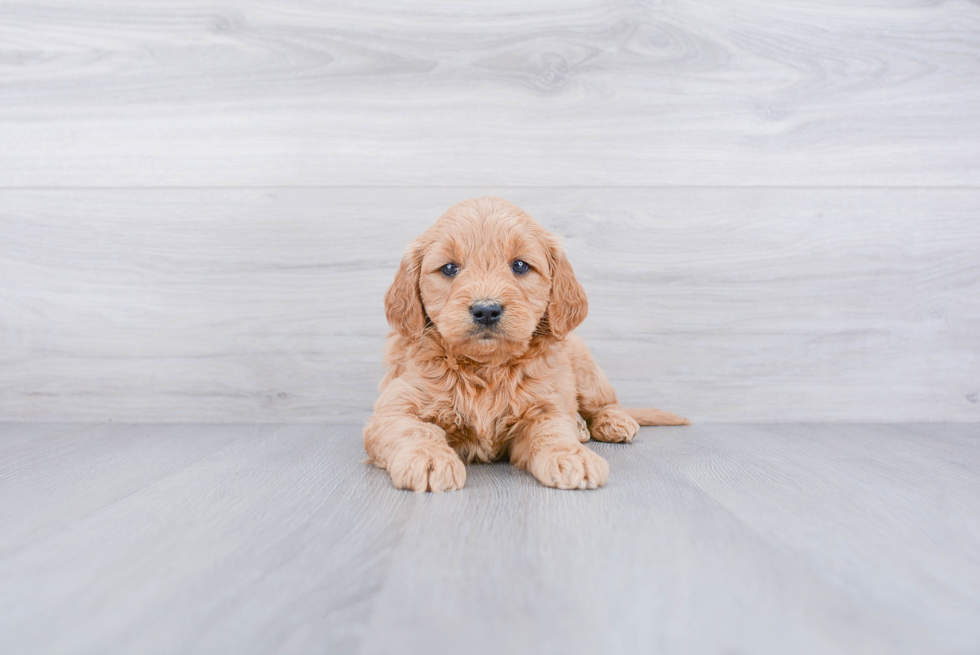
{"x": 482, "y": 363}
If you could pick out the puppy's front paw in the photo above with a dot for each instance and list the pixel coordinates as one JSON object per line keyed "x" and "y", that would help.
{"x": 428, "y": 468}
{"x": 613, "y": 425}
{"x": 583, "y": 428}
{"x": 569, "y": 466}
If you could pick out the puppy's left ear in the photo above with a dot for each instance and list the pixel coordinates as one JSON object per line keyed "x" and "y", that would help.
{"x": 568, "y": 306}
{"x": 403, "y": 301}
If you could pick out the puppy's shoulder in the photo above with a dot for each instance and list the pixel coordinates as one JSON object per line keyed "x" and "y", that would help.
{"x": 397, "y": 355}
{"x": 546, "y": 357}
{"x": 422, "y": 357}
{"x": 396, "y": 349}
{"x": 574, "y": 346}
{"x": 576, "y": 352}
{"x": 561, "y": 352}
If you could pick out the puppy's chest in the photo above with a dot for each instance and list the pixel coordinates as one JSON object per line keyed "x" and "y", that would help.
{"x": 478, "y": 422}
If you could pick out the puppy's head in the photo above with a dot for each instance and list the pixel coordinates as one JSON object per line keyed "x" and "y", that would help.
{"x": 486, "y": 277}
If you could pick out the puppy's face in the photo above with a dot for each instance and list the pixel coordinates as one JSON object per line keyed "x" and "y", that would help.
{"x": 487, "y": 277}
{"x": 485, "y": 285}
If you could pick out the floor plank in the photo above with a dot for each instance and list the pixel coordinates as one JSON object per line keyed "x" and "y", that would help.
{"x": 272, "y": 543}
{"x": 63, "y": 477}
{"x": 590, "y": 92}
{"x": 711, "y": 538}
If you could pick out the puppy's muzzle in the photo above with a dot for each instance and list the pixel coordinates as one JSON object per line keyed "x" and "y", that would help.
{"x": 486, "y": 312}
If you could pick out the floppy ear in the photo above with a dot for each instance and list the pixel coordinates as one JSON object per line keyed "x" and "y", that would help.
{"x": 403, "y": 302}
{"x": 568, "y": 306}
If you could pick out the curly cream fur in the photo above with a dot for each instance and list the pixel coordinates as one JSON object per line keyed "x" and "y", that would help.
{"x": 455, "y": 391}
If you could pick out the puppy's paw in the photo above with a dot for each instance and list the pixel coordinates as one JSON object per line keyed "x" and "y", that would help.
{"x": 583, "y": 428}
{"x": 428, "y": 468}
{"x": 569, "y": 466}
{"x": 614, "y": 425}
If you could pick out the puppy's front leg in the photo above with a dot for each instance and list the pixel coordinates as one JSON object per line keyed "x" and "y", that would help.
{"x": 415, "y": 452}
{"x": 548, "y": 447}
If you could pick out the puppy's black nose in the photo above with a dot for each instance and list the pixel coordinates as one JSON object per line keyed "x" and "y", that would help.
{"x": 486, "y": 312}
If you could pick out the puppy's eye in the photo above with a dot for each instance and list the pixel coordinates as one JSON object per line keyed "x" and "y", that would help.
{"x": 520, "y": 267}
{"x": 450, "y": 270}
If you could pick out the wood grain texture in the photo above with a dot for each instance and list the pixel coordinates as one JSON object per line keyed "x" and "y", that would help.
{"x": 711, "y": 539}
{"x": 124, "y": 570}
{"x": 266, "y": 305}
{"x": 587, "y": 92}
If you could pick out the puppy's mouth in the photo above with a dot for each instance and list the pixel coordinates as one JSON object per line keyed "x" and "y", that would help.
{"x": 486, "y": 333}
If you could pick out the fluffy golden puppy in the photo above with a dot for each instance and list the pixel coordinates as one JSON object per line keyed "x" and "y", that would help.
{"x": 482, "y": 362}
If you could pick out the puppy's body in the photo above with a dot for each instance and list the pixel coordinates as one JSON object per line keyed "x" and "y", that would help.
{"x": 464, "y": 384}
{"x": 479, "y": 406}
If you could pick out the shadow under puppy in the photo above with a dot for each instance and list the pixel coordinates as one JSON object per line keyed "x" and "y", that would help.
{"x": 483, "y": 364}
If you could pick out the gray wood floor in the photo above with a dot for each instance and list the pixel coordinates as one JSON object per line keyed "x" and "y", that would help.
{"x": 787, "y": 538}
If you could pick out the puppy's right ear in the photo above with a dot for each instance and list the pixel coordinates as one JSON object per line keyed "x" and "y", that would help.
{"x": 569, "y": 306}
{"x": 403, "y": 302}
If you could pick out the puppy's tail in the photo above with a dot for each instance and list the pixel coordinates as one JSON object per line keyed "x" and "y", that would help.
{"x": 650, "y": 416}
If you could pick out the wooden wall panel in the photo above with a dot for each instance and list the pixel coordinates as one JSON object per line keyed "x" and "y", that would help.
{"x": 724, "y": 304}
{"x": 565, "y": 93}
{"x": 774, "y": 207}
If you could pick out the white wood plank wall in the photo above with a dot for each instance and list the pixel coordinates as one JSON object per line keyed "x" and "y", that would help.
{"x": 775, "y": 207}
